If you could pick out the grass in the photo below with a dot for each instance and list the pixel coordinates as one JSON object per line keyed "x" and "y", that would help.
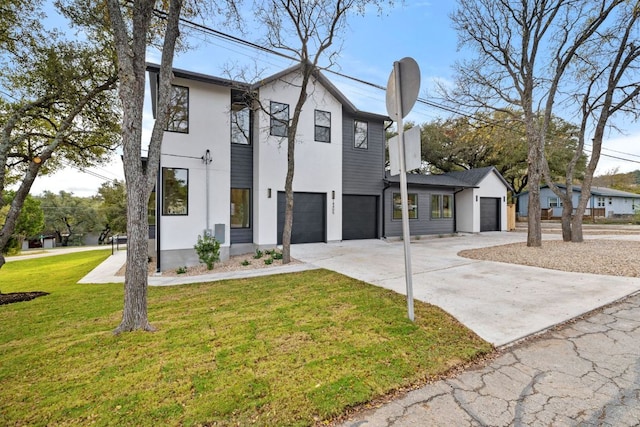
{"x": 289, "y": 350}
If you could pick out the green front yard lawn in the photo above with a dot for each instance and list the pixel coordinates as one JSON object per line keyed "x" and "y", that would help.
{"x": 290, "y": 349}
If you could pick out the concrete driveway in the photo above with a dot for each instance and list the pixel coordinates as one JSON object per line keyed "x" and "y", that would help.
{"x": 501, "y": 302}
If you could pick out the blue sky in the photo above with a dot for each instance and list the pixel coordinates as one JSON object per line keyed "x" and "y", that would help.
{"x": 370, "y": 45}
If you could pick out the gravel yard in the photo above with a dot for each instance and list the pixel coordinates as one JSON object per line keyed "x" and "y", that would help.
{"x": 609, "y": 257}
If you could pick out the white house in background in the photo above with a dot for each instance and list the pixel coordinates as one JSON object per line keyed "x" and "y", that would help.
{"x": 604, "y": 202}
{"x": 223, "y": 168}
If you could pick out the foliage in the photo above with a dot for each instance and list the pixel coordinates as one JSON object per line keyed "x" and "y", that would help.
{"x": 208, "y": 250}
{"x": 258, "y": 254}
{"x": 629, "y": 182}
{"x": 304, "y": 348}
{"x": 268, "y": 261}
{"x": 57, "y": 103}
{"x": 112, "y": 197}
{"x": 245, "y": 262}
{"x": 181, "y": 270}
{"x": 495, "y": 139}
{"x": 68, "y": 216}
{"x": 29, "y": 223}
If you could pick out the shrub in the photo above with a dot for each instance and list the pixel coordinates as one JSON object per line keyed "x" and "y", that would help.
{"x": 276, "y": 255}
{"x": 181, "y": 270}
{"x": 268, "y": 261}
{"x": 208, "y": 250}
{"x": 258, "y": 254}
{"x": 245, "y": 263}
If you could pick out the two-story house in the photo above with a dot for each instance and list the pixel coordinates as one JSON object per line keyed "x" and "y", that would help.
{"x": 224, "y": 162}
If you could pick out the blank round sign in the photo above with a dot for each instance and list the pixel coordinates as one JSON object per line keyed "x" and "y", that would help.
{"x": 409, "y": 88}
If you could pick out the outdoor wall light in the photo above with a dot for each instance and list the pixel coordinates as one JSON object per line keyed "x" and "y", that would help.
{"x": 268, "y": 193}
{"x": 333, "y": 194}
{"x": 504, "y": 199}
{"x": 476, "y": 198}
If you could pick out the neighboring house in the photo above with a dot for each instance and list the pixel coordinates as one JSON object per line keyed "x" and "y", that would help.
{"x": 224, "y": 163}
{"x": 604, "y": 202}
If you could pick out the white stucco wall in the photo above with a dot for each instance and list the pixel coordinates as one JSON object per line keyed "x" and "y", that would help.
{"x": 209, "y": 128}
{"x": 464, "y": 206}
{"x": 318, "y": 165}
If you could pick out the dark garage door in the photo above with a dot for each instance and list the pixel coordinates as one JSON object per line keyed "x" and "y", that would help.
{"x": 489, "y": 214}
{"x": 359, "y": 217}
{"x": 308, "y": 217}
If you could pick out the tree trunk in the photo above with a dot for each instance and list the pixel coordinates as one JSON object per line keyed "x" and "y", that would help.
{"x": 567, "y": 209}
{"x": 134, "y": 315}
{"x": 534, "y": 232}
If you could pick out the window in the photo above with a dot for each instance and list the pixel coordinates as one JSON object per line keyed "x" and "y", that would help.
{"x": 240, "y": 124}
{"x": 279, "y": 119}
{"x": 175, "y": 191}
{"x": 179, "y": 110}
{"x": 240, "y": 208}
{"x": 360, "y": 134}
{"x": 412, "y": 202}
{"x": 441, "y": 206}
{"x": 601, "y": 202}
{"x": 555, "y": 202}
{"x": 322, "y": 130}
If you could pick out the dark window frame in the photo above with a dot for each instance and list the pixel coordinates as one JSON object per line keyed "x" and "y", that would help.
{"x": 279, "y": 126}
{"x": 242, "y": 227}
{"x": 322, "y": 128}
{"x": 396, "y": 213}
{"x": 364, "y": 145}
{"x": 172, "y": 113}
{"x": 440, "y": 206}
{"x": 165, "y": 196}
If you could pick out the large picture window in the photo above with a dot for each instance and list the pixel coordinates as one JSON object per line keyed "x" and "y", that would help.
{"x": 175, "y": 191}
{"x": 279, "y": 119}
{"x": 360, "y": 134}
{"x": 441, "y": 206}
{"x": 179, "y": 110}
{"x": 412, "y": 202}
{"x": 322, "y": 129}
{"x": 240, "y": 125}
{"x": 240, "y": 208}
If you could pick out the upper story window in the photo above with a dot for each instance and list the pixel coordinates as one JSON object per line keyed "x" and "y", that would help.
{"x": 240, "y": 124}
{"x": 360, "y": 134}
{"x": 441, "y": 206}
{"x": 175, "y": 191}
{"x": 412, "y": 202}
{"x": 322, "y": 129}
{"x": 179, "y": 110}
{"x": 279, "y": 114}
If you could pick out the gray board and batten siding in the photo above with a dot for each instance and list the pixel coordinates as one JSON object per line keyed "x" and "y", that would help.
{"x": 362, "y": 178}
{"x": 242, "y": 177}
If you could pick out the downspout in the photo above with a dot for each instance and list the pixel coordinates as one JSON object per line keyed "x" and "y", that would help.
{"x": 158, "y": 214}
{"x": 207, "y": 160}
{"x": 386, "y": 186}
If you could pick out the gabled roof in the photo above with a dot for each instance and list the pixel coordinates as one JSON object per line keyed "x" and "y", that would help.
{"x": 333, "y": 90}
{"x": 442, "y": 180}
{"x": 475, "y": 176}
{"x": 595, "y": 191}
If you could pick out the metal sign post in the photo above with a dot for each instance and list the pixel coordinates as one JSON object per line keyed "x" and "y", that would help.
{"x": 402, "y": 93}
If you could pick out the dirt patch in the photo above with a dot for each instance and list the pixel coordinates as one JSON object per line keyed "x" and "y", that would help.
{"x": 596, "y": 256}
{"x": 20, "y": 296}
{"x": 234, "y": 263}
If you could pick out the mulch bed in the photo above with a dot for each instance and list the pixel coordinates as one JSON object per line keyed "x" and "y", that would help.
{"x": 20, "y": 296}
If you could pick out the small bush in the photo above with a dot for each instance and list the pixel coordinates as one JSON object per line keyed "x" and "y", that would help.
{"x": 276, "y": 255}
{"x": 245, "y": 262}
{"x": 268, "y": 261}
{"x": 258, "y": 254}
{"x": 208, "y": 250}
{"x": 181, "y": 270}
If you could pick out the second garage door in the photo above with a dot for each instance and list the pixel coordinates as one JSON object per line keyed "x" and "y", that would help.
{"x": 489, "y": 214}
{"x": 359, "y": 217}
{"x": 309, "y": 217}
